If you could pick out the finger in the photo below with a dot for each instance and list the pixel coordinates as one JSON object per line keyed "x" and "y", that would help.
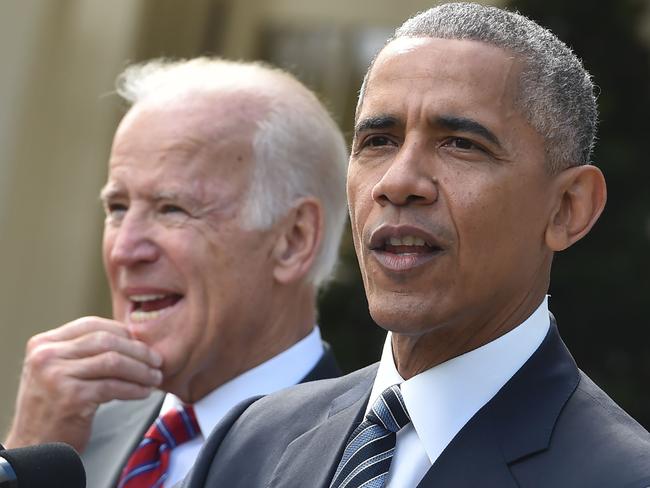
{"x": 90, "y": 336}
{"x": 115, "y": 389}
{"x": 100, "y": 342}
{"x": 122, "y": 390}
{"x": 112, "y": 365}
{"x": 83, "y": 326}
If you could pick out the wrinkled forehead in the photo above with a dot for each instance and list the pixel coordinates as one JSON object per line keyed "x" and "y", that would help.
{"x": 204, "y": 140}
{"x": 477, "y": 65}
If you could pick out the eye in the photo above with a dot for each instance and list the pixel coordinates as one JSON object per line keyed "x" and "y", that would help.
{"x": 172, "y": 214}
{"x": 462, "y": 144}
{"x": 371, "y": 142}
{"x": 115, "y": 210}
{"x": 376, "y": 141}
{"x": 169, "y": 208}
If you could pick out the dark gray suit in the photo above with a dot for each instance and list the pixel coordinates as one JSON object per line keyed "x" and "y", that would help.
{"x": 549, "y": 426}
{"x": 119, "y": 426}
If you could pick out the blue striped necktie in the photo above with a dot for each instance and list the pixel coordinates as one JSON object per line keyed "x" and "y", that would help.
{"x": 371, "y": 446}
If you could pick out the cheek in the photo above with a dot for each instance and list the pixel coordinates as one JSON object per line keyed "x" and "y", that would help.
{"x": 480, "y": 214}
{"x": 495, "y": 224}
{"x": 107, "y": 247}
{"x": 357, "y": 220}
{"x": 195, "y": 253}
{"x": 215, "y": 271}
{"x": 360, "y": 201}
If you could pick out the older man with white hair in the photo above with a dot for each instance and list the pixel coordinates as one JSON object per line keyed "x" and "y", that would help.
{"x": 225, "y": 206}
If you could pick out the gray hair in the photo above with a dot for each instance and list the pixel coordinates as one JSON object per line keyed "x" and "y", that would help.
{"x": 298, "y": 149}
{"x": 556, "y": 94}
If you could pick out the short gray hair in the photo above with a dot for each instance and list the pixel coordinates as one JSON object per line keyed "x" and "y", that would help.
{"x": 556, "y": 94}
{"x": 298, "y": 149}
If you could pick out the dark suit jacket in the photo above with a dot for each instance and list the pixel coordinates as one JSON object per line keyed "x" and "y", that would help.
{"x": 549, "y": 426}
{"x": 119, "y": 426}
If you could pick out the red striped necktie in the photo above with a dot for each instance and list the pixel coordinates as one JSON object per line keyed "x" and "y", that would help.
{"x": 147, "y": 466}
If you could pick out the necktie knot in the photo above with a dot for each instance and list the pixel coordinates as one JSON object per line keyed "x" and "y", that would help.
{"x": 177, "y": 426}
{"x": 369, "y": 451}
{"x": 147, "y": 466}
{"x": 389, "y": 410}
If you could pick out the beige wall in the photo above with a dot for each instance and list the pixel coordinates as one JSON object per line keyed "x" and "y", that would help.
{"x": 59, "y": 59}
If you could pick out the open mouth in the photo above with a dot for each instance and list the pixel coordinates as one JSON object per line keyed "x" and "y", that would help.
{"x": 403, "y": 250}
{"x": 148, "y": 307}
{"x": 407, "y": 245}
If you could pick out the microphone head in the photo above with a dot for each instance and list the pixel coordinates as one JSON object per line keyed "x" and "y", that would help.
{"x": 55, "y": 465}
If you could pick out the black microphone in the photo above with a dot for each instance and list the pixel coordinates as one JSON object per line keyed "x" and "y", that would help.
{"x": 55, "y": 465}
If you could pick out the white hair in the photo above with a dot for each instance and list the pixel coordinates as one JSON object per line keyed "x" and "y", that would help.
{"x": 298, "y": 149}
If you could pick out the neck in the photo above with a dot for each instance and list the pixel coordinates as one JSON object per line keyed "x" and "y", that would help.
{"x": 290, "y": 318}
{"x": 293, "y": 317}
{"x": 414, "y": 354}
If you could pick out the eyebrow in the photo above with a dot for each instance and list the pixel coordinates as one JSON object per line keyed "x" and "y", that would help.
{"x": 376, "y": 122}
{"x": 449, "y": 122}
{"x": 112, "y": 191}
{"x": 109, "y": 191}
{"x": 178, "y": 195}
{"x": 464, "y": 124}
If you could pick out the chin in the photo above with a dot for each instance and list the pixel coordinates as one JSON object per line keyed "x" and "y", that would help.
{"x": 173, "y": 377}
{"x": 403, "y": 318}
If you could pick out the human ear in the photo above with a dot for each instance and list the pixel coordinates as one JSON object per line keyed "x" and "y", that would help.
{"x": 581, "y": 194}
{"x": 299, "y": 241}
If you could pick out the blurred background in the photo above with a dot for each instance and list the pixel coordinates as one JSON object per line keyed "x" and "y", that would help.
{"x": 57, "y": 115}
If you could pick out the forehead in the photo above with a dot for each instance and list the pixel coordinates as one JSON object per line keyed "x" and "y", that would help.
{"x": 195, "y": 142}
{"x": 443, "y": 74}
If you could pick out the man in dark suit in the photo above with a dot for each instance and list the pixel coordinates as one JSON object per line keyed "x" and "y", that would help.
{"x": 224, "y": 206}
{"x": 470, "y": 168}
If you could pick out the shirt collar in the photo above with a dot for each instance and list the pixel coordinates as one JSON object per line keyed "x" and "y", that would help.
{"x": 286, "y": 369}
{"x": 441, "y": 400}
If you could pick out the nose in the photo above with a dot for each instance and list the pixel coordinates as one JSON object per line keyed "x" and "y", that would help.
{"x": 131, "y": 241}
{"x": 408, "y": 179}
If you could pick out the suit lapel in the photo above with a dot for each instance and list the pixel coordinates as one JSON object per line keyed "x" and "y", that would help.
{"x": 516, "y": 423}
{"x": 117, "y": 429}
{"x": 299, "y": 464}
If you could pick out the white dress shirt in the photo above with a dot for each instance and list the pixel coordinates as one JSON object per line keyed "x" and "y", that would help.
{"x": 441, "y": 400}
{"x": 284, "y": 370}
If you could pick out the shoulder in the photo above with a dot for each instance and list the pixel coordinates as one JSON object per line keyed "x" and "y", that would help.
{"x": 258, "y": 431}
{"x": 596, "y": 443}
{"x": 625, "y": 442}
{"x": 302, "y": 406}
{"x": 593, "y": 413}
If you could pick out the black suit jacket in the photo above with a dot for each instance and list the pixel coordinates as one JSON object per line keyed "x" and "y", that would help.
{"x": 549, "y": 426}
{"x": 119, "y": 426}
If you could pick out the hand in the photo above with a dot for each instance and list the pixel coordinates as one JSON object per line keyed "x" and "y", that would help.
{"x": 69, "y": 371}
